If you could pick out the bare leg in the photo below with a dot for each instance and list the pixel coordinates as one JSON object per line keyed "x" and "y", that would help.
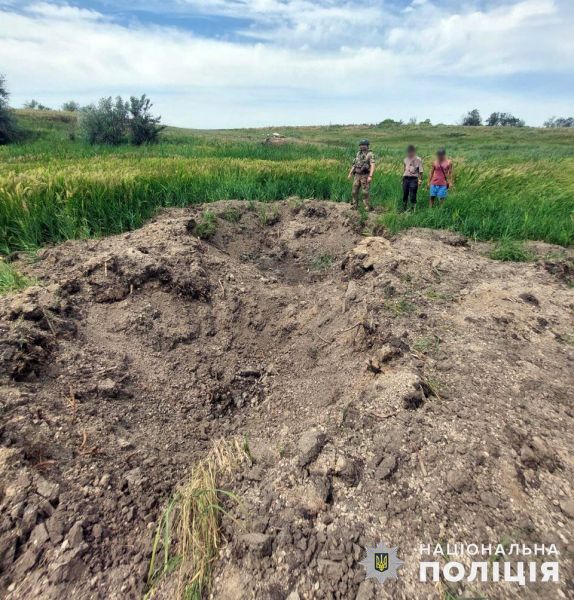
{"x": 431, "y": 201}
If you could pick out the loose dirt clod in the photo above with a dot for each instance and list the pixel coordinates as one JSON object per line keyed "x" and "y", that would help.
{"x": 436, "y": 406}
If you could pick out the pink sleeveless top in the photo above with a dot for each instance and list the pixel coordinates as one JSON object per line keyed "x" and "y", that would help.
{"x": 438, "y": 177}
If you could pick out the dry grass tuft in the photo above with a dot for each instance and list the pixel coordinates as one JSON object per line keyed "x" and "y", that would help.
{"x": 188, "y": 534}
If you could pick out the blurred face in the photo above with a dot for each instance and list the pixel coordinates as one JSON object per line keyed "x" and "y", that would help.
{"x": 363, "y": 148}
{"x": 411, "y": 153}
{"x": 441, "y": 155}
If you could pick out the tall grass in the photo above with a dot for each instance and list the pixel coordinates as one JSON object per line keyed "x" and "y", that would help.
{"x": 510, "y": 184}
{"x": 510, "y": 250}
{"x": 532, "y": 201}
{"x": 11, "y": 280}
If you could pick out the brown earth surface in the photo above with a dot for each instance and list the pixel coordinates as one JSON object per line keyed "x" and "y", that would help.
{"x": 405, "y": 390}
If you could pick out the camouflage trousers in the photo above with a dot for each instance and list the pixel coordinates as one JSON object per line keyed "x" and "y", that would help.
{"x": 361, "y": 182}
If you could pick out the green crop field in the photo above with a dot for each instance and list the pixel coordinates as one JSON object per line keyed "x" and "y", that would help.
{"x": 511, "y": 183}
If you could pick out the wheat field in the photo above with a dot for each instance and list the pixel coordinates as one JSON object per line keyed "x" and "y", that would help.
{"x": 511, "y": 183}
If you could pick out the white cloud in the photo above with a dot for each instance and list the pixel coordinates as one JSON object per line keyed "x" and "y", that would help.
{"x": 316, "y": 61}
{"x": 515, "y": 38}
{"x": 326, "y": 23}
{"x": 101, "y": 54}
{"x": 63, "y": 12}
{"x": 414, "y": 5}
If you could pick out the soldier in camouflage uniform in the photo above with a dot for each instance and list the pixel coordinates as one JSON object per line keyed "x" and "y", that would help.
{"x": 362, "y": 171}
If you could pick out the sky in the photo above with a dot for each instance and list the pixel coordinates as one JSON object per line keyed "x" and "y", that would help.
{"x": 243, "y": 63}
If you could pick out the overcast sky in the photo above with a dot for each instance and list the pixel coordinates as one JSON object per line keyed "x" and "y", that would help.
{"x": 234, "y": 63}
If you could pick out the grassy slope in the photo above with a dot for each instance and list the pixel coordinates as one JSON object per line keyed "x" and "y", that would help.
{"x": 511, "y": 183}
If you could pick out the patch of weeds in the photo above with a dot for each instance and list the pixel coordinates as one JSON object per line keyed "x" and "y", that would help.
{"x": 566, "y": 338}
{"x": 426, "y": 344}
{"x": 247, "y": 450}
{"x": 363, "y": 215}
{"x": 231, "y": 214}
{"x": 378, "y": 229}
{"x": 434, "y": 387}
{"x": 322, "y": 262}
{"x": 359, "y": 220}
{"x": 268, "y": 216}
{"x": 388, "y": 290}
{"x": 406, "y": 277}
{"x": 188, "y": 533}
{"x": 11, "y": 280}
{"x": 434, "y": 295}
{"x": 31, "y": 257}
{"x": 437, "y": 274}
{"x": 555, "y": 255}
{"x": 511, "y": 250}
{"x": 400, "y": 307}
{"x": 207, "y": 227}
{"x": 296, "y": 203}
{"x": 369, "y": 231}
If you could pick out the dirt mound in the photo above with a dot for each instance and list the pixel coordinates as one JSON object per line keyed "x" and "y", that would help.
{"x": 404, "y": 390}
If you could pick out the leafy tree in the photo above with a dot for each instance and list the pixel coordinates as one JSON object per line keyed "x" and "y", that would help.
{"x": 35, "y": 105}
{"x": 492, "y": 121}
{"x": 143, "y": 127}
{"x": 472, "y": 118}
{"x": 390, "y": 123}
{"x": 502, "y": 119}
{"x": 9, "y": 131}
{"x": 115, "y": 122}
{"x": 106, "y": 122}
{"x": 71, "y": 106}
{"x": 555, "y": 122}
{"x": 508, "y": 120}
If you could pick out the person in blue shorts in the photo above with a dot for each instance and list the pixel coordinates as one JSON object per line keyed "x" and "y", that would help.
{"x": 440, "y": 178}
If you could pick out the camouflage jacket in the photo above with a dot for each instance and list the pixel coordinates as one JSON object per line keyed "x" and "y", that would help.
{"x": 363, "y": 161}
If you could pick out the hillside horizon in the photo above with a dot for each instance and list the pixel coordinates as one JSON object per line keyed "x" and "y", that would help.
{"x": 63, "y": 116}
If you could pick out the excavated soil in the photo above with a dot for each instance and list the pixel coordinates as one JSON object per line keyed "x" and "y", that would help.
{"x": 405, "y": 390}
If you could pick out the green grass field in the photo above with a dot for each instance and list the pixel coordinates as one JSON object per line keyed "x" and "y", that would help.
{"x": 511, "y": 184}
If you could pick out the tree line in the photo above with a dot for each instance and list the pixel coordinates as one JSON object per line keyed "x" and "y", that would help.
{"x": 71, "y": 106}
{"x": 496, "y": 119}
{"x": 504, "y": 119}
{"x": 117, "y": 121}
